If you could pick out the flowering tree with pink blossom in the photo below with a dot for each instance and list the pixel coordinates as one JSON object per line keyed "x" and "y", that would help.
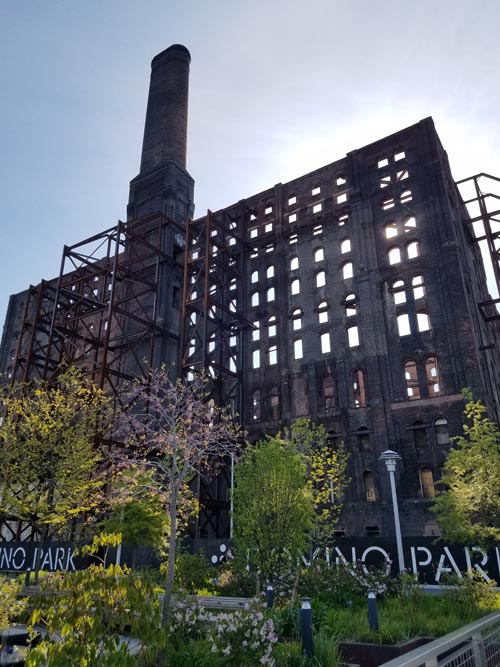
{"x": 174, "y": 429}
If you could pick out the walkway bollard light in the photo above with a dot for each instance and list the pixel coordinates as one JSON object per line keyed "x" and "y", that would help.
{"x": 390, "y": 459}
{"x": 372, "y": 612}
{"x": 269, "y": 596}
{"x": 306, "y": 627}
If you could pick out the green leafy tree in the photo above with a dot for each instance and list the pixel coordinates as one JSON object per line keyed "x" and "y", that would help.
{"x": 273, "y": 507}
{"x": 49, "y": 471}
{"x": 467, "y": 508}
{"x": 175, "y": 431}
{"x": 326, "y": 473}
{"x": 10, "y": 605}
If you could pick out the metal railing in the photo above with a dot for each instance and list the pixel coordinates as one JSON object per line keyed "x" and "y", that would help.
{"x": 474, "y": 645}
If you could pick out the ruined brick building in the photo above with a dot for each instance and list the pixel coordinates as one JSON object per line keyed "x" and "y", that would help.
{"x": 354, "y": 295}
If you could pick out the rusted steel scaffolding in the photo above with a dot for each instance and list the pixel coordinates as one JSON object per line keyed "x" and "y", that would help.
{"x": 214, "y": 304}
{"x": 101, "y": 313}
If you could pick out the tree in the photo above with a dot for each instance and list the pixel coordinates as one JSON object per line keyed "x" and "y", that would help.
{"x": 273, "y": 507}
{"x": 173, "y": 429}
{"x": 468, "y": 507}
{"x": 326, "y": 473}
{"x": 49, "y": 462}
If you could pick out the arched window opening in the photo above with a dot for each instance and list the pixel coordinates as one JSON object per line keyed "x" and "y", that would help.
{"x": 256, "y": 406}
{"x": 417, "y": 283}
{"x": 255, "y": 277}
{"x": 391, "y": 230}
{"x": 420, "y": 435}
{"x": 345, "y": 246}
{"x": 394, "y": 255}
{"x": 413, "y": 250}
{"x": 348, "y": 270}
{"x": 271, "y": 294}
{"x": 320, "y": 279}
{"x": 325, "y": 343}
{"x": 296, "y": 319}
{"x": 441, "y": 432}
{"x": 274, "y": 404}
{"x": 403, "y": 324}
{"x": 350, "y": 304}
{"x": 323, "y": 312}
{"x": 256, "y": 330}
{"x": 294, "y": 263}
{"x": 427, "y": 482}
{"x": 410, "y": 224}
{"x": 273, "y": 355}
{"x": 432, "y": 373}
{"x": 295, "y": 287}
{"x": 254, "y": 299}
{"x": 329, "y": 393}
{"x": 411, "y": 379}
{"x": 271, "y": 326}
{"x": 358, "y": 389}
{"x": 270, "y": 271}
{"x": 398, "y": 292}
{"x": 423, "y": 321}
{"x": 364, "y": 439}
{"x": 369, "y": 485}
{"x": 319, "y": 255}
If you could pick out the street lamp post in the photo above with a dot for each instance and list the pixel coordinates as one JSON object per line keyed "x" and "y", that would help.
{"x": 390, "y": 459}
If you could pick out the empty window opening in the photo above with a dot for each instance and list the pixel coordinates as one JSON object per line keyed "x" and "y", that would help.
{"x": 320, "y": 279}
{"x": 270, "y": 271}
{"x": 323, "y": 312}
{"x": 274, "y": 404}
{"x": 341, "y": 199}
{"x": 394, "y": 255}
{"x": 345, "y": 246}
{"x": 271, "y": 327}
{"x": 403, "y": 324}
{"x": 329, "y": 393}
{"x": 405, "y": 196}
{"x": 353, "y": 336}
{"x": 432, "y": 373}
{"x": 363, "y": 439}
{"x": 297, "y": 319}
{"x": 385, "y": 181}
{"x": 254, "y": 253}
{"x": 343, "y": 220}
{"x": 233, "y": 340}
{"x": 400, "y": 155}
{"x": 402, "y": 175}
{"x": 398, "y": 292}
{"x": 256, "y": 331}
{"x": 256, "y": 359}
{"x": 295, "y": 287}
{"x": 410, "y": 224}
{"x": 347, "y": 270}
{"x": 358, "y": 389}
{"x": 292, "y": 200}
{"x": 317, "y": 208}
{"x": 255, "y": 277}
{"x": 254, "y": 233}
{"x": 350, "y": 304}
{"x": 418, "y": 287}
{"x": 270, "y": 247}
{"x": 423, "y": 321}
{"x": 254, "y": 299}
{"x": 319, "y": 255}
{"x": 427, "y": 482}
{"x": 292, "y": 217}
{"x": 297, "y": 348}
{"x": 273, "y": 355}
{"x": 387, "y": 204}
{"x": 294, "y": 263}
{"x": 232, "y": 305}
{"x": 256, "y": 406}
{"x": 325, "y": 343}
{"x": 271, "y": 294}
{"x": 383, "y": 162}
{"x": 292, "y": 239}
{"x": 252, "y": 217}
{"x": 413, "y": 250}
{"x": 441, "y": 432}
{"x": 390, "y": 230}
{"x": 341, "y": 180}
{"x": 315, "y": 190}
{"x": 268, "y": 228}
{"x": 268, "y": 210}
{"x": 419, "y": 435}
{"x": 411, "y": 380}
{"x": 370, "y": 491}
{"x": 317, "y": 230}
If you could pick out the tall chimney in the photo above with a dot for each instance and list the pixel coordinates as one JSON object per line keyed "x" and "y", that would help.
{"x": 165, "y": 131}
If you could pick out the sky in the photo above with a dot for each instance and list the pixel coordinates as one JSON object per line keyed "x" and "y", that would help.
{"x": 278, "y": 88}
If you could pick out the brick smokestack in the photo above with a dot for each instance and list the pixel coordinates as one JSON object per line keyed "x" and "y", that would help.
{"x": 165, "y": 131}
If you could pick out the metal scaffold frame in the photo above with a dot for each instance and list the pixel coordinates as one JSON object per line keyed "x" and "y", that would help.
{"x": 100, "y": 314}
{"x": 214, "y": 303}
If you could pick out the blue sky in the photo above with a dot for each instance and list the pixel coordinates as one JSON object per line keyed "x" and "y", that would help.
{"x": 278, "y": 88}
